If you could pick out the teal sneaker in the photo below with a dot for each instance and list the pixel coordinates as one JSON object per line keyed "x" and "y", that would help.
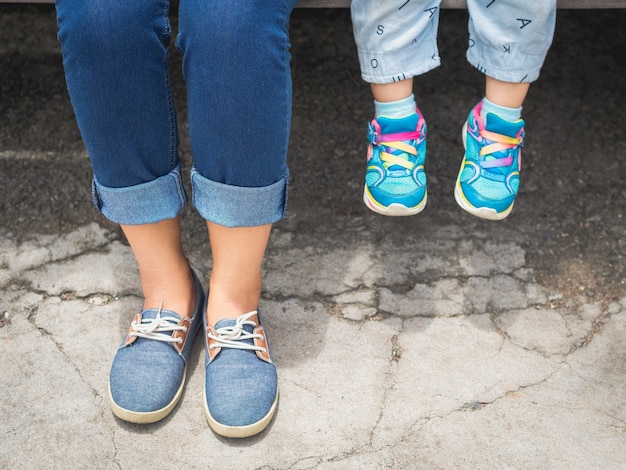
{"x": 395, "y": 182}
{"x": 489, "y": 177}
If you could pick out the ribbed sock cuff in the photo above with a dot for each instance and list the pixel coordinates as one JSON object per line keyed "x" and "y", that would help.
{"x": 508, "y": 114}
{"x": 396, "y": 109}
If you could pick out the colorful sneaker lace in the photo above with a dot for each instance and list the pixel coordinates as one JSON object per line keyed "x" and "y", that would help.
{"x": 488, "y": 180}
{"x": 395, "y": 182}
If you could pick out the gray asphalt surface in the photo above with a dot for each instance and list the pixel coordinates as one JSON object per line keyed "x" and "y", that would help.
{"x": 436, "y": 341}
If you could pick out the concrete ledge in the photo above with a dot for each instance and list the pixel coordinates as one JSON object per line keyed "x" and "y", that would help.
{"x": 580, "y": 4}
{"x": 462, "y": 3}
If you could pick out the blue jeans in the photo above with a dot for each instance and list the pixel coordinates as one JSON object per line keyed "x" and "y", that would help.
{"x": 508, "y": 39}
{"x": 238, "y": 80}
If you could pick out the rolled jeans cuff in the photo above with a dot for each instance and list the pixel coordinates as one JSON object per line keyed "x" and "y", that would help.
{"x": 145, "y": 203}
{"x": 239, "y": 206}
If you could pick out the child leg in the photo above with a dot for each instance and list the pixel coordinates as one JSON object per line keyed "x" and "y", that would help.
{"x": 394, "y": 91}
{"x": 506, "y": 94}
{"x": 488, "y": 180}
{"x": 395, "y": 42}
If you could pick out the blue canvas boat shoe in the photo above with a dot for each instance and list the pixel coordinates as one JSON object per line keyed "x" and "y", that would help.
{"x": 149, "y": 369}
{"x": 241, "y": 386}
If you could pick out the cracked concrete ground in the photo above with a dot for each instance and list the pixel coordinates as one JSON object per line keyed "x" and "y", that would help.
{"x": 438, "y": 341}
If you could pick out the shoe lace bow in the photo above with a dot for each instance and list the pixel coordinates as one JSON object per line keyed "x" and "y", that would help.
{"x": 235, "y": 336}
{"x": 158, "y": 328}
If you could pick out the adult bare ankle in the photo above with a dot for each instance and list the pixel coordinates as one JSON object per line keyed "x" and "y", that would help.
{"x": 170, "y": 290}
{"x": 230, "y": 300}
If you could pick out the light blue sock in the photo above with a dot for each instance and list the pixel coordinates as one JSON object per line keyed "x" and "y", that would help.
{"x": 396, "y": 109}
{"x": 508, "y": 114}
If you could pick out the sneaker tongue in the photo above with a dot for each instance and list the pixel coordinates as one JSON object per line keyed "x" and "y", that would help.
{"x": 394, "y": 125}
{"x": 227, "y": 322}
{"x": 495, "y": 123}
{"x": 397, "y": 125}
{"x": 152, "y": 313}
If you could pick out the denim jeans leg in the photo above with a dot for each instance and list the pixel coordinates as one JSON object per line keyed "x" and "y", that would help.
{"x": 115, "y": 56}
{"x": 237, "y": 70}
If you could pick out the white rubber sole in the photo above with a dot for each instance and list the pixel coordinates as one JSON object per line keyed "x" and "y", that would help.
{"x": 482, "y": 212}
{"x": 239, "y": 432}
{"x": 392, "y": 210}
{"x": 147, "y": 417}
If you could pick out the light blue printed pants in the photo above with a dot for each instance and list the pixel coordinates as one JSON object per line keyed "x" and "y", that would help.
{"x": 397, "y": 39}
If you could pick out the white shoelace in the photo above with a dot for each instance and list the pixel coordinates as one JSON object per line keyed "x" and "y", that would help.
{"x": 232, "y": 336}
{"x": 158, "y": 328}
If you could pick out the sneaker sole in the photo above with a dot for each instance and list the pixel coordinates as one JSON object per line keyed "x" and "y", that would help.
{"x": 239, "y": 432}
{"x": 147, "y": 417}
{"x": 393, "y": 209}
{"x": 482, "y": 212}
